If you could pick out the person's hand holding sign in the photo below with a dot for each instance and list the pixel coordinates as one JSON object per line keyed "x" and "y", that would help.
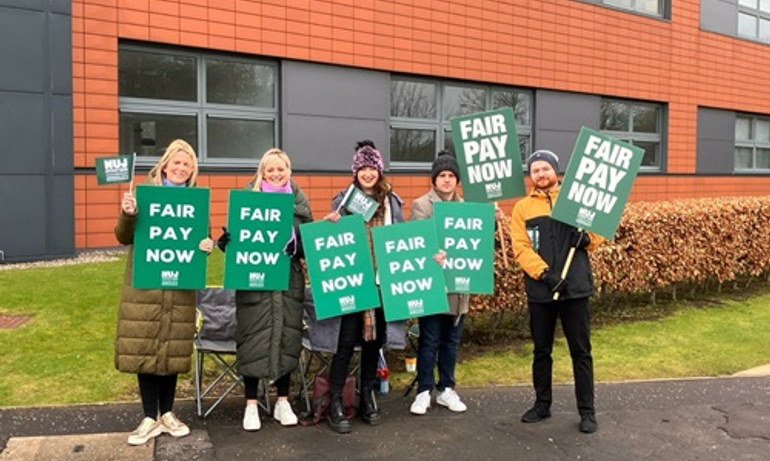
{"x": 440, "y": 257}
{"x": 334, "y": 216}
{"x": 206, "y": 245}
{"x": 128, "y": 204}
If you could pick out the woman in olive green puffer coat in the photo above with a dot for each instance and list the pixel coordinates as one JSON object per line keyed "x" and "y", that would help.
{"x": 269, "y": 330}
{"x": 156, "y": 327}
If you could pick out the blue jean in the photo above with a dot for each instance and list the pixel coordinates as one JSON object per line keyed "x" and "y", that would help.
{"x": 438, "y": 343}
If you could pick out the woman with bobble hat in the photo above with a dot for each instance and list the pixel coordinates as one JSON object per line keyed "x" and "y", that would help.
{"x": 366, "y": 328}
{"x": 440, "y": 333}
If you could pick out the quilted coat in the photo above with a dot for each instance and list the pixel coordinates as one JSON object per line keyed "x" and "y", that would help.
{"x": 155, "y": 327}
{"x": 269, "y": 331}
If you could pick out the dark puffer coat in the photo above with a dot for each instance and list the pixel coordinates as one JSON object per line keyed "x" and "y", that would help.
{"x": 155, "y": 327}
{"x": 269, "y": 332}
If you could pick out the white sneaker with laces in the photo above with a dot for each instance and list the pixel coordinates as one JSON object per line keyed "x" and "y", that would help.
{"x": 421, "y": 403}
{"x": 170, "y": 424}
{"x": 251, "y": 420}
{"x": 451, "y": 400}
{"x": 147, "y": 429}
{"x": 284, "y": 414}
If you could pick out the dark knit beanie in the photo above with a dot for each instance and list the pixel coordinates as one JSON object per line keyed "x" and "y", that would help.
{"x": 367, "y": 156}
{"x": 546, "y": 156}
{"x": 444, "y": 162}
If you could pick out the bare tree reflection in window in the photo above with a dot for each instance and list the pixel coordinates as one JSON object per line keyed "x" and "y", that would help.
{"x": 412, "y": 99}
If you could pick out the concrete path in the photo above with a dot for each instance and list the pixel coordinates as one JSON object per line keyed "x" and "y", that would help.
{"x": 699, "y": 419}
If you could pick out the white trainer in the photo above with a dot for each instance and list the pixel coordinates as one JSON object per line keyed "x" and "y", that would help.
{"x": 284, "y": 414}
{"x": 147, "y": 429}
{"x": 170, "y": 424}
{"x": 251, "y": 420}
{"x": 451, "y": 400}
{"x": 421, "y": 403}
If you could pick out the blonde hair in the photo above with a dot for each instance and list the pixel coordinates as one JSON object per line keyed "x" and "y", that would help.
{"x": 177, "y": 145}
{"x": 272, "y": 155}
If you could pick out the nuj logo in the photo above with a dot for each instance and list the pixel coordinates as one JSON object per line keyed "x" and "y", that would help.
{"x": 462, "y": 283}
{"x": 415, "y": 306}
{"x": 347, "y": 303}
{"x": 494, "y": 189}
{"x": 585, "y": 217}
{"x": 169, "y": 278}
{"x": 256, "y": 279}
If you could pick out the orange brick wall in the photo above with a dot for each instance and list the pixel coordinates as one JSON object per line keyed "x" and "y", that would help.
{"x": 555, "y": 44}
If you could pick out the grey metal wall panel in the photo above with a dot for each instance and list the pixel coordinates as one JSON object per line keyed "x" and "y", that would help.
{"x": 62, "y": 226}
{"x": 61, "y": 6}
{"x": 27, "y": 4}
{"x": 62, "y": 145}
{"x": 23, "y": 225}
{"x": 558, "y": 118}
{"x": 327, "y": 144}
{"x": 61, "y": 54}
{"x": 719, "y": 16}
{"x": 326, "y": 109}
{"x": 22, "y": 50}
{"x": 716, "y": 141}
{"x": 22, "y": 129}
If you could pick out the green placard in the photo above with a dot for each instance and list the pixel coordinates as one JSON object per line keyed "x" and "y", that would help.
{"x": 466, "y": 231}
{"x": 260, "y": 225}
{"x": 339, "y": 265}
{"x": 412, "y": 283}
{"x": 171, "y": 223}
{"x": 357, "y": 202}
{"x": 113, "y": 170}
{"x": 488, "y": 153}
{"x": 597, "y": 183}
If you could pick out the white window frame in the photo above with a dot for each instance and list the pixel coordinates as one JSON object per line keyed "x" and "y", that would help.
{"x": 752, "y": 144}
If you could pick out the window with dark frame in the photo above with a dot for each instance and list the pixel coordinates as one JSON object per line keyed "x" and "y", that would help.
{"x": 637, "y": 123}
{"x": 421, "y": 111}
{"x": 225, "y": 106}
{"x": 752, "y": 143}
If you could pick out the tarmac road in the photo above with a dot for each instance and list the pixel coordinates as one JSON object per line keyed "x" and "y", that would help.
{"x": 698, "y": 419}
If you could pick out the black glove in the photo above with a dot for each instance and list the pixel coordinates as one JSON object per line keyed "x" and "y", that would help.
{"x": 555, "y": 283}
{"x": 223, "y": 239}
{"x": 579, "y": 239}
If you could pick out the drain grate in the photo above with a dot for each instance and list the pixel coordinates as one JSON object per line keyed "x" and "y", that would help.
{"x": 9, "y": 322}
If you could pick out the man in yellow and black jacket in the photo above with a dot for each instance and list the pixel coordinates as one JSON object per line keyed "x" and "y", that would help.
{"x": 541, "y": 245}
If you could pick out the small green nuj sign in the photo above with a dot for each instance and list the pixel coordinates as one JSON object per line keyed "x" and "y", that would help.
{"x": 339, "y": 265}
{"x": 260, "y": 225}
{"x": 412, "y": 283}
{"x": 357, "y": 202}
{"x": 114, "y": 170}
{"x": 487, "y": 149}
{"x": 597, "y": 183}
{"x": 171, "y": 223}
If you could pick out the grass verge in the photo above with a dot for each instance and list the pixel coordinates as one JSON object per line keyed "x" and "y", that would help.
{"x": 64, "y": 353}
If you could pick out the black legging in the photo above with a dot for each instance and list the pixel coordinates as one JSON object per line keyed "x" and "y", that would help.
{"x": 351, "y": 334}
{"x": 157, "y": 392}
{"x": 252, "y": 386}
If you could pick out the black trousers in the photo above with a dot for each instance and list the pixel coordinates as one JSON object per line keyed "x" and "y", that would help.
{"x": 575, "y": 320}
{"x": 157, "y": 392}
{"x": 282, "y": 385}
{"x": 351, "y": 334}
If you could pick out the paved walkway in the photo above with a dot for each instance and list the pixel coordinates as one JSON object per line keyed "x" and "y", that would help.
{"x": 699, "y": 419}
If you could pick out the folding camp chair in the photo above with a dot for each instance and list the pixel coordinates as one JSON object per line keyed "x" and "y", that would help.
{"x": 215, "y": 340}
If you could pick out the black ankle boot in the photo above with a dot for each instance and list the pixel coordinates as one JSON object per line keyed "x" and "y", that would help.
{"x": 337, "y": 420}
{"x": 367, "y": 409}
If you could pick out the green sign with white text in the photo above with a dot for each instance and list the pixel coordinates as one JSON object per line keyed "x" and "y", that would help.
{"x": 339, "y": 265}
{"x": 114, "y": 170}
{"x": 487, "y": 148}
{"x": 171, "y": 223}
{"x": 597, "y": 183}
{"x": 260, "y": 225}
{"x": 466, "y": 231}
{"x": 412, "y": 283}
